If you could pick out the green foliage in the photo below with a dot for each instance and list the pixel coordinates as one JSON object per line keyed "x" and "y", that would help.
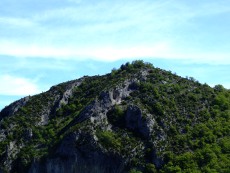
{"x": 116, "y": 116}
{"x": 150, "y": 168}
{"x": 134, "y": 171}
{"x": 190, "y": 130}
{"x": 170, "y": 168}
{"x": 225, "y": 145}
{"x": 222, "y": 102}
{"x": 109, "y": 139}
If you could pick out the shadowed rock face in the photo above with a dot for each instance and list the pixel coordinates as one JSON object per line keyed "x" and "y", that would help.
{"x": 75, "y": 156}
{"x": 136, "y": 121}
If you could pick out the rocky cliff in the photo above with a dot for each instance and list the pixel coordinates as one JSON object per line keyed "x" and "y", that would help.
{"x": 135, "y": 119}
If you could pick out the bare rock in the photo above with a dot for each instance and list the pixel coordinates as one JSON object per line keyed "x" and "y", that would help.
{"x": 79, "y": 153}
{"x": 137, "y": 122}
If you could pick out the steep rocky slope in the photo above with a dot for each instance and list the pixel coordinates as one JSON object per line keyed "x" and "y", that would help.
{"x": 135, "y": 119}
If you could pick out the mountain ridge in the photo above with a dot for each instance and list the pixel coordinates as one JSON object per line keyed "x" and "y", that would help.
{"x": 91, "y": 124}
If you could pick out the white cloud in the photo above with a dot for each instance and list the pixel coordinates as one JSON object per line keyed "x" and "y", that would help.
{"x": 109, "y": 31}
{"x": 17, "y": 86}
{"x": 102, "y": 53}
{"x": 164, "y": 50}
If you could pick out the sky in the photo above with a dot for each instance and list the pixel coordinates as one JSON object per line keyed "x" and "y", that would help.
{"x": 46, "y": 42}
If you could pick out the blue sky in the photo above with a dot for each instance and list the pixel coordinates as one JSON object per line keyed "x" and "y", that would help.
{"x": 45, "y": 42}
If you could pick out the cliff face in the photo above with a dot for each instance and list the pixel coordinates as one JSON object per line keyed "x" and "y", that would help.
{"x": 73, "y": 155}
{"x": 138, "y": 118}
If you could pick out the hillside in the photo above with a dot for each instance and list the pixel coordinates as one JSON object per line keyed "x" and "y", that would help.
{"x": 135, "y": 119}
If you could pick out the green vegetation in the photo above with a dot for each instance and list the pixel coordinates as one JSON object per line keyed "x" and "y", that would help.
{"x": 116, "y": 116}
{"x": 134, "y": 171}
{"x": 109, "y": 140}
{"x": 190, "y": 132}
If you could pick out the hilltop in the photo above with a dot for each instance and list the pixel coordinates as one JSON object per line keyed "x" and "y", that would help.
{"x": 138, "y": 118}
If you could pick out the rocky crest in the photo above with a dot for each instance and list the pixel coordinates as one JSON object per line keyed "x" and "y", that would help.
{"x": 12, "y": 108}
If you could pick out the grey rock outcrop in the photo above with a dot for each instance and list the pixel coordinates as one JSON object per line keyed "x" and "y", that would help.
{"x": 63, "y": 99}
{"x": 97, "y": 110}
{"x": 79, "y": 153}
{"x": 60, "y": 99}
{"x": 136, "y": 121}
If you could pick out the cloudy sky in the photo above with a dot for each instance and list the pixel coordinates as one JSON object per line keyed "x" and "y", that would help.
{"x": 45, "y": 42}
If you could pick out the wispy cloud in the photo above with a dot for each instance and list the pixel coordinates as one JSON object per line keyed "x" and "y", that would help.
{"x": 105, "y": 53}
{"x": 163, "y": 50}
{"x": 17, "y": 86}
{"x": 107, "y": 30}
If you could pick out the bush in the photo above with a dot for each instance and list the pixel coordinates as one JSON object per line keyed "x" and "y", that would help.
{"x": 116, "y": 116}
{"x": 150, "y": 168}
{"x": 109, "y": 139}
{"x": 134, "y": 171}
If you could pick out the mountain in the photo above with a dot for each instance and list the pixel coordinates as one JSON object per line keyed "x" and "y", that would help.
{"x": 137, "y": 118}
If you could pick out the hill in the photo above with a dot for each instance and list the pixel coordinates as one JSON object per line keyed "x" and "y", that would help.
{"x": 135, "y": 119}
